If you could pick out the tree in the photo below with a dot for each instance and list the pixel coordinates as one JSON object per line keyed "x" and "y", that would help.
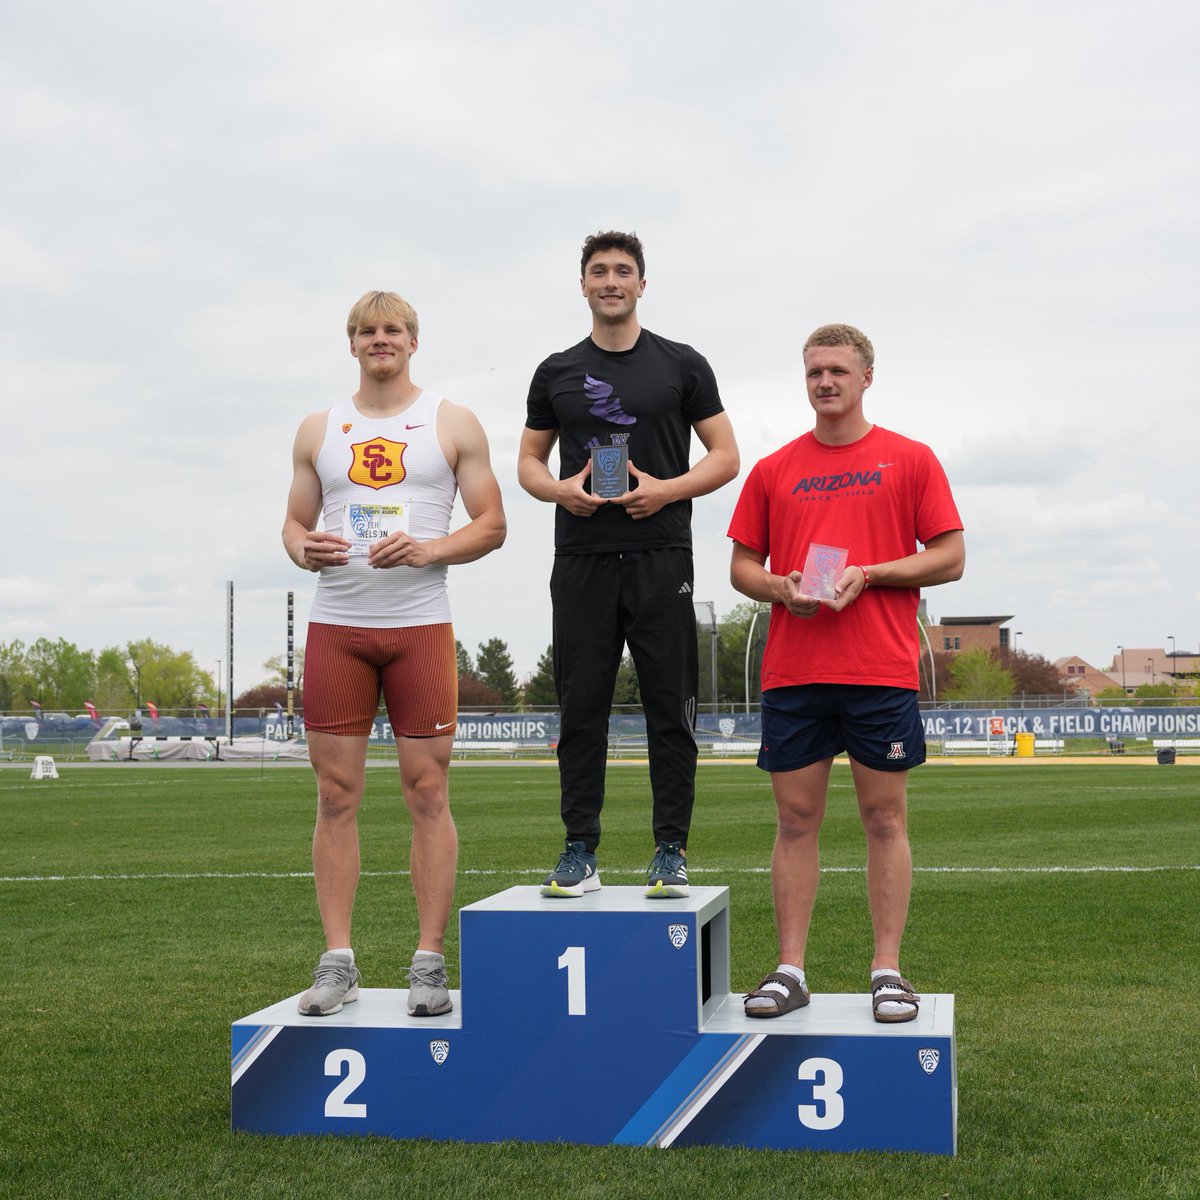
{"x": 733, "y": 632}
{"x": 466, "y": 668}
{"x": 1033, "y": 674}
{"x": 1153, "y": 691}
{"x": 977, "y": 675}
{"x": 15, "y": 681}
{"x": 943, "y": 663}
{"x": 538, "y": 690}
{"x": 494, "y": 666}
{"x": 1111, "y": 696}
{"x": 114, "y": 681}
{"x": 627, "y": 690}
{"x": 267, "y": 695}
{"x": 166, "y": 677}
{"x": 61, "y": 675}
{"x": 277, "y": 668}
{"x": 474, "y": 693}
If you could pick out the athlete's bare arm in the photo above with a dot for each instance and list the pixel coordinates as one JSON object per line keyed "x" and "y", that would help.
{"x": 942, "y": 561}
{"x": 749, "y": 575}
{"x": 533, "y": 474}
{"x": 714, "y": 470}
{"x": 465, "y": 446}
{"x": 308, "y": 547}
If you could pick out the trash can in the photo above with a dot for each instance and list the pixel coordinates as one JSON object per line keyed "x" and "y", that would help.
{"x": 1024, "y": 745}
{"x": 1166, "y": 756}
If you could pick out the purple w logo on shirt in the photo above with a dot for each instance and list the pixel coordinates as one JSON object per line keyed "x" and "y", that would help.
{"x": 604, "y": 404}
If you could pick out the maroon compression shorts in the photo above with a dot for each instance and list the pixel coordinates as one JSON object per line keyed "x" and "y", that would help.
{"x": 347, "y": 668}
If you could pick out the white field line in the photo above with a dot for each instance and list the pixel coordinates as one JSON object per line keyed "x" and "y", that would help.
{"x": 716, "y": 873}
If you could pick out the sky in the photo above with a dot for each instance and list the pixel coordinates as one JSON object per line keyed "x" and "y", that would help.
{"x": 999, "y": 195}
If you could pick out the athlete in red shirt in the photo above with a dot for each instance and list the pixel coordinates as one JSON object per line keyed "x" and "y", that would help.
{"x": 841, "y": 673}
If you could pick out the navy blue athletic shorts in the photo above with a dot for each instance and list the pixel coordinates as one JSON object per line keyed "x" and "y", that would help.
{"x": 879, "y": 727}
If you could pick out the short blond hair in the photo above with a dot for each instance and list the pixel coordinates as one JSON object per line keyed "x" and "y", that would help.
{"x": 843, "y": 335}
{"x": 382, "y": 306}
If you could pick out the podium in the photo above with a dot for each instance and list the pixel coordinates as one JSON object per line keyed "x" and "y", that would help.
{"x": 605, "y": 1019}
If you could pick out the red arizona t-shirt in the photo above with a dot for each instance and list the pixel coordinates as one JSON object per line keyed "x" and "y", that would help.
{"x": 877, "y": 497}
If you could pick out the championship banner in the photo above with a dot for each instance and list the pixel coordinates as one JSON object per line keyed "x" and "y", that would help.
{"x": 1065, "y": 722}
{"x": 542, "y": 728}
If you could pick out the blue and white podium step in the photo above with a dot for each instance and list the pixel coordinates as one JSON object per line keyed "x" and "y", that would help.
{"x": 606, "y": 1019}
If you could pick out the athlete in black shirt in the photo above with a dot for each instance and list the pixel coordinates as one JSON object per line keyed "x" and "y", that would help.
{"x": 623, "y": 567}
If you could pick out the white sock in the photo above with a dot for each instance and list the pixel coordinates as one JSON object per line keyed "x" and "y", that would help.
{"x": 797, "y": 973}
{"x": 441, "y": 958}
{"x": 343, "y": 950}
{"x": 891, "y": 1008}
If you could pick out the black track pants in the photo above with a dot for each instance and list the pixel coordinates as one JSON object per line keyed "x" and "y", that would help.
{"x": 601, "y": 603}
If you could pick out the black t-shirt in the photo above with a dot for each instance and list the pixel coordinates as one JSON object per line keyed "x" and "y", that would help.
{"x": 647, "y": 398}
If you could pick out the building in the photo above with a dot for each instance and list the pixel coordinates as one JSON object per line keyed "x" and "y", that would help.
{"x": 954, "y": 634}
{"x": 1082, "y": 678}
{"x": 1134, "y": 666}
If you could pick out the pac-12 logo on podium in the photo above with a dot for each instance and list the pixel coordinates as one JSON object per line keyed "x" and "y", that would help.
{"x": 678, "y": 933}
{"x": 440, "y": 1051}
{"x": 929, "y": 1059}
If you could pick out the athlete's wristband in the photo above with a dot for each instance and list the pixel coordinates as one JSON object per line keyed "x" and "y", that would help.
{"x": 866, "y": 578}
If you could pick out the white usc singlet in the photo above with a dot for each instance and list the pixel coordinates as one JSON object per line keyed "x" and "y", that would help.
{"x": 388, "y": 460}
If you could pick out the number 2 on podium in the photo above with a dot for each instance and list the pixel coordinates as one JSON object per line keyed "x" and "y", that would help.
{"x": 571, "y": 960}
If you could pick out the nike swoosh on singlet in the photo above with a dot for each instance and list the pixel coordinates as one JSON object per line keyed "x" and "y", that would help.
{"x": 414, "y": 426}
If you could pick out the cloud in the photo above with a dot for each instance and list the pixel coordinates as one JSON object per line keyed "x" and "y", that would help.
{"x": 194, "y": 197}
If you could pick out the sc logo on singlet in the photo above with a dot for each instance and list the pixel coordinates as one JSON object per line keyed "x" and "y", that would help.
{"x": 378, "y": 463}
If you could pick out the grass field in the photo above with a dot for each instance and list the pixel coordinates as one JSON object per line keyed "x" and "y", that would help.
{"x": 146, "y": 907}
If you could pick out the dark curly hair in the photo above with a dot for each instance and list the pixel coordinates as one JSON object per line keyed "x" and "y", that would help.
{"x": 611, "y": 239}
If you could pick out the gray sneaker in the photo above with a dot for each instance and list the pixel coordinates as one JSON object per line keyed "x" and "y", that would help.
{"x": 427, "y": 993}
{"x": 575, "y": 874}
{"x": 666, "y": 877}
{"x": 335, "y": 982}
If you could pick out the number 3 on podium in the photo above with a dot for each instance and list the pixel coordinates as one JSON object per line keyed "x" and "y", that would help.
{"x": 829, "y": 1110}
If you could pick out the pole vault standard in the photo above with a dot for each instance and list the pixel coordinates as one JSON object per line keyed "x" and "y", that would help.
{"x": 291, "y": 662}
{"x": 229, "y": 654}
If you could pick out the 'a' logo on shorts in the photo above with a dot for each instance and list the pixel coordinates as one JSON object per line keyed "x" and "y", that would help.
{"x": 897, "y": 750}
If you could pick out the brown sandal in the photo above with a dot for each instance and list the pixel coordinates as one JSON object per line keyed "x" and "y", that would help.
{"x": 906, "y": 995}
{"x": 797, "y": 995}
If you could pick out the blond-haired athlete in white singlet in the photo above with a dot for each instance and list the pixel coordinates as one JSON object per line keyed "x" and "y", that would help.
{"x": 380, "y": 473}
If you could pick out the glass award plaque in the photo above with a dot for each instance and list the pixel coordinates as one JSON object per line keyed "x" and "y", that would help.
{"x": 822, "y": 569}
{"x": 610, "y": 471}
